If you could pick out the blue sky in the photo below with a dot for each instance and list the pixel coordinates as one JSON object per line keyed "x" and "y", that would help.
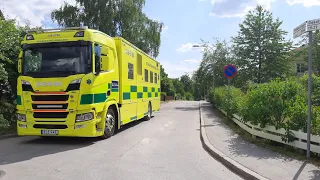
{"x": 186, "y": 22}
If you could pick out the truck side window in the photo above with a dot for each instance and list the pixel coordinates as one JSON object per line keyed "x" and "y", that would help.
{"x": 146, "y": 73}
{"x": 130, "y": 71}
{"x": 151, "y": 76}
{"x": 155, "y": 78}
{"x": 139, "y": 64}
{"x": 97, "y": 50}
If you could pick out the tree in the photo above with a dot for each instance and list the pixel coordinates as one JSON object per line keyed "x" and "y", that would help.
{"x": 115, "y": 18}
{"x": 10, "y": 38}
{"x": 260, "y": 48}
{"x": 179, "y": 87}
{"x": 210, "y": 72}
{"x": 188, "y": 83}
{"x": 1, "y": 15}
{"x": 301, "y": 52}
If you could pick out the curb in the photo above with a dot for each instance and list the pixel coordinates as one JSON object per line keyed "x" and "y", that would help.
{"x": 231, "y": 164}
{"x": 7, "y": 136}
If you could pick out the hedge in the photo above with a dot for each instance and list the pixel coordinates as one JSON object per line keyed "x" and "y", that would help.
{"x": 282, "y": 104}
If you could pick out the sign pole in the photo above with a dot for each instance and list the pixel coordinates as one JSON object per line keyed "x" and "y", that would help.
{"x": 228, "y": 98}
{"x": 308, "y": 26}
{"x": 230, "y": 71}
{"x": 309, "y": 93}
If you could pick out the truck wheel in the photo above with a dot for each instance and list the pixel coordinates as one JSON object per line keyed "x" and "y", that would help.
{"x": 148, "y": 117}
{"x": 110, "y": 124}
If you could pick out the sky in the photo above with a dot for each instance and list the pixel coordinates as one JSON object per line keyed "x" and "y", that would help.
{"x": 186, "y": 22}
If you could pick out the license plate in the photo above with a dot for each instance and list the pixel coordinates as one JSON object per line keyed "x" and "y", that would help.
{"x": 49, "y": 132}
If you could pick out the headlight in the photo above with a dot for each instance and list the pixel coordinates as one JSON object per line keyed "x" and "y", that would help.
{"x": 76, "y": 81}
{"x": 84, "y": 117}
{"x": 25, "y": 82}
{"x": 21, "y": 117}
{"x": 74, "y": 85}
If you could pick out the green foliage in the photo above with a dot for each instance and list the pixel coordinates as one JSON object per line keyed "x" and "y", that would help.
{"x": 228, "y": 102}
{"x": 115, "y": 18}
{"x": 260, "y": 48}
{"x": 187, "y": 83}
{"x": 189, "y": 96}
{"x": 10, "y": 37}
{"x": 179, "y": 87}
{"x": 315, "y": 88}
{"x": 273, "y": 103}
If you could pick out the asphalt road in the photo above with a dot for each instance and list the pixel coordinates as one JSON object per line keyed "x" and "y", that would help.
{"x": 166, "y": 147}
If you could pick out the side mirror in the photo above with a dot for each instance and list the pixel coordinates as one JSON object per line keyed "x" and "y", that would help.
{"x": 107, "y": 62}
{"x": 20, "y": 62}
{"x": 105, "y": 51}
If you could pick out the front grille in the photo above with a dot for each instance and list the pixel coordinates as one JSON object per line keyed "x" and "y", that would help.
{"x": 49, "y": 126}
{"x": 50, "y": 114}
{"x": 50, "y": 97}
{"x": 50, "y": 106}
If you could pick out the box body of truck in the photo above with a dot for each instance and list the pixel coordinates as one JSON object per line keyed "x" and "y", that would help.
{"x": 82, "y": 82}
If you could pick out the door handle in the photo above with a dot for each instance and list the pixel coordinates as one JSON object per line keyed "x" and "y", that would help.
{"x": 108, "y": 93}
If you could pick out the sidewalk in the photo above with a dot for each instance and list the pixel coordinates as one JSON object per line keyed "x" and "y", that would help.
{"x": 265, "y": 162}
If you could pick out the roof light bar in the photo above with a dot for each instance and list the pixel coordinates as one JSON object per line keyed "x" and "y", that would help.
{"x": 58, "y": 29}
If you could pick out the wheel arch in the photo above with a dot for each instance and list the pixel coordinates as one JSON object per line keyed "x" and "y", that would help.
{"x": 114, "y": 105}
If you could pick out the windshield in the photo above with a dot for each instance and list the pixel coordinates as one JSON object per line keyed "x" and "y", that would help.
{"x": 56, "y": 61}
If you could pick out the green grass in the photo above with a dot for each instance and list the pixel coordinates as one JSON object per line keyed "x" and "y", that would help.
{"x": 286, "y": 150}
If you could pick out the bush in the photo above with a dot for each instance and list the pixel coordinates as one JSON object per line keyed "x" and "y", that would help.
{"x": 219, "y": 97}
{"x": 278, "y": 103}
{"x": 315, "y": 88}
{"x": 188, "y": 96}
{"x": 282, "y": 104}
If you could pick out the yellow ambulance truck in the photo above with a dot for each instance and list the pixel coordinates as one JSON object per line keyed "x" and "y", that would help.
{"x": 81, "y": 82}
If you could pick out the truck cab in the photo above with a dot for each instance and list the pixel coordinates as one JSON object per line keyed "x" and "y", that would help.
{"x": 64, "y": 87}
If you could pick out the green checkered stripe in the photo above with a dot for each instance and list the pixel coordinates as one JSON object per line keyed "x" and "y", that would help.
{"x": 97, "y": 97}
{"x": 139, "y": 92}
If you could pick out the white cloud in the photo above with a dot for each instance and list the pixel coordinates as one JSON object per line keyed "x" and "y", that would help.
{"x": 176, "y": 70}
{"x": 165, "y": 28}
{"x": 191, "y": 61}
{"x": 189, "y": 47}
{"x": 238, "y": 8}
{"x": 306, "y": 3}
{"x": 33, "y": 11}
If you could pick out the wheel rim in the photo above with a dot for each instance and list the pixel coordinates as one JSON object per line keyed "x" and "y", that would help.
{"x": 109, "y": 121}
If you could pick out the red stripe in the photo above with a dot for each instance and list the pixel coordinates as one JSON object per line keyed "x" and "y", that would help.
{"x": 49, "y": 93}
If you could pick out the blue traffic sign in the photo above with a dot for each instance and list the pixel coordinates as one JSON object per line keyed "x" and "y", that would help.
{"x": 230, "y": 71}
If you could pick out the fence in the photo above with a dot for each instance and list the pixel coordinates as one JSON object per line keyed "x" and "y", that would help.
{"x": 166, "y": 98}
{"x": 271, "y": 133}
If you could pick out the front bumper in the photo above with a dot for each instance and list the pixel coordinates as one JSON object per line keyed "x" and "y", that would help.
{"x": 82, "y": 129}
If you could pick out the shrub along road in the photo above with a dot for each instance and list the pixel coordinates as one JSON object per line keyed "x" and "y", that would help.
{"x": 166, "y": 147}
{"x": 263, "y": 161}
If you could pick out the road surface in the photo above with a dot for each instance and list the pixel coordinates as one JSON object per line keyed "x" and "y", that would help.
{"x": 166, "y": 147}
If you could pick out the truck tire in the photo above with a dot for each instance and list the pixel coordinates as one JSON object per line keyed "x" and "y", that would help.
{"x": 110, "y": 127}
{"x": 148, "y": 117}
